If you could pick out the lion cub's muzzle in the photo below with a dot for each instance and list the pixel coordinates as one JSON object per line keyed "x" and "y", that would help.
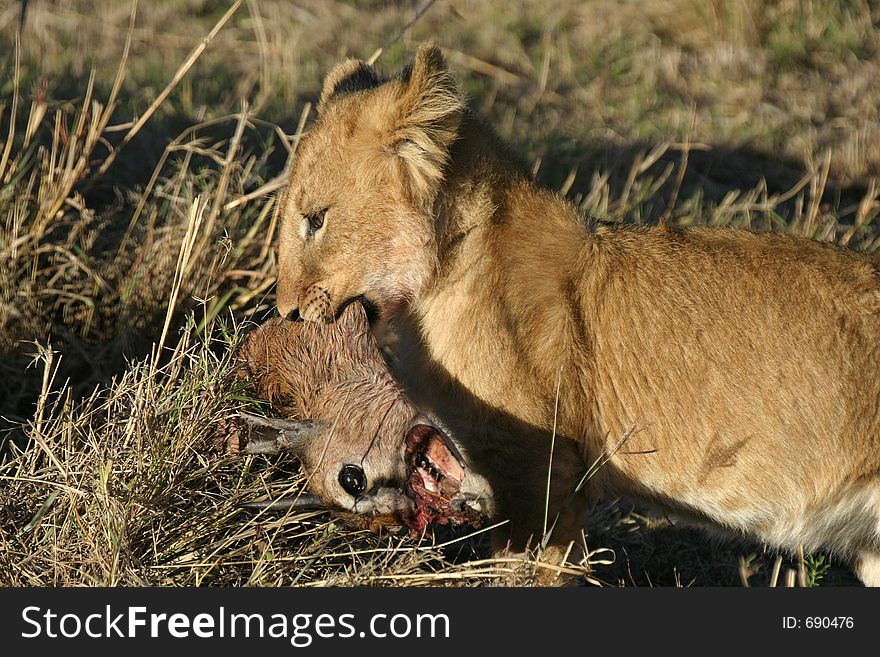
{"x": 315, "y": 304}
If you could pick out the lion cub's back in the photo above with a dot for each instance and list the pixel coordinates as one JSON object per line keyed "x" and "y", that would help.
{"x": 748, "y": 362}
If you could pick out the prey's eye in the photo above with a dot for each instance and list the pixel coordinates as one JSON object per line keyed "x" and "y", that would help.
{"x": 353, "y": 480}
{"x": 314, "y": 221}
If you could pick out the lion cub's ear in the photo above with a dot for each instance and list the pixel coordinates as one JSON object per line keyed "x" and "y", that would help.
{"x": 425, "y": 121}
{"x": 346, "y": 77}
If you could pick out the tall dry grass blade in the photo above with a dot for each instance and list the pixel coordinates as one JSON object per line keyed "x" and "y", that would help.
{"x": 175, "y": 145}
{"x": 606, "y": 456}
{"x": 818, "y": 184}
{"x": 175, "y": 80}
{"x": 774, "y": 576}
{"x": 867, "y": 211}
{"x": 73, "y": 159}
{"x": 552, "y": 448}
{"x": 39, "y": 433}
{"x": 802, "y": 568}
{"x": 263, "y": 45}
{"x": 38, "y": 111}
{"x": 501, "y": 75}
{"x": 225, "y": 174}
{"x": 682, "y": 168}
{"x": 114, "y": 91}
{"x": 419, "y": 13}
{"x": 13, "y": 113}
{"x": 744, "y": 572}
{"x": 279, "y": 181}
{"x": 196, "y": 213}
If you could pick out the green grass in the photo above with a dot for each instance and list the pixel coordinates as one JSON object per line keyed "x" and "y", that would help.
{"x": 722, "y": 113}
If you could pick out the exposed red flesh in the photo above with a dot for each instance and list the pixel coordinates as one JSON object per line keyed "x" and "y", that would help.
{"x": 437, "y": 501}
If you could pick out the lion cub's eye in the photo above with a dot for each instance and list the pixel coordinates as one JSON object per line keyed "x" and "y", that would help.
{"x": 315, "y": 221}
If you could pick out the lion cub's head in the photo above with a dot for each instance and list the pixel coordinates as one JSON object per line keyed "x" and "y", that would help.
{"x": 356, "y": 218}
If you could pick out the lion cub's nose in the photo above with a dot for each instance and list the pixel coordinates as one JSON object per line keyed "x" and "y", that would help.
{"x": 287, "y": 309}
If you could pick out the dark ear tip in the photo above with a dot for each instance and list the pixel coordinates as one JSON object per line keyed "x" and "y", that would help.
{"x": 429, "y": 54}
{"x": 346, "y": 77}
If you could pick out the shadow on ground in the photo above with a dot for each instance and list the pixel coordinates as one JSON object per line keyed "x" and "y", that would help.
{"x": 652, "y": 551}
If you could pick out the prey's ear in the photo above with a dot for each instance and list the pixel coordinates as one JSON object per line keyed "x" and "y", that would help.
{"x": 346, "y": 77}
{"x": 425, "y": 122}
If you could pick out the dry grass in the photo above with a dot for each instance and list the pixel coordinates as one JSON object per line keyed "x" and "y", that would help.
{"x": 137, "y": 173}
{"x": 119, "y": 488}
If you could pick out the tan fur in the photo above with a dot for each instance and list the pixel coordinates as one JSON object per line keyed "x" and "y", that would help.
{"x": 334, "y": 374}
{"x": 741, "y": 367}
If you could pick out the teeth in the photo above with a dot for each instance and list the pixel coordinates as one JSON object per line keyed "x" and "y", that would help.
{"x": 429, "y": 468}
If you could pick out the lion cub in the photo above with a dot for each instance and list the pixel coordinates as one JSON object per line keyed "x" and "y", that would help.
{"x": 722, "y": 375}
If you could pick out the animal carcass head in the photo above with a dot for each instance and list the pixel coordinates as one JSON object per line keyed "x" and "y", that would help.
{"x": 366, "y": 448}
